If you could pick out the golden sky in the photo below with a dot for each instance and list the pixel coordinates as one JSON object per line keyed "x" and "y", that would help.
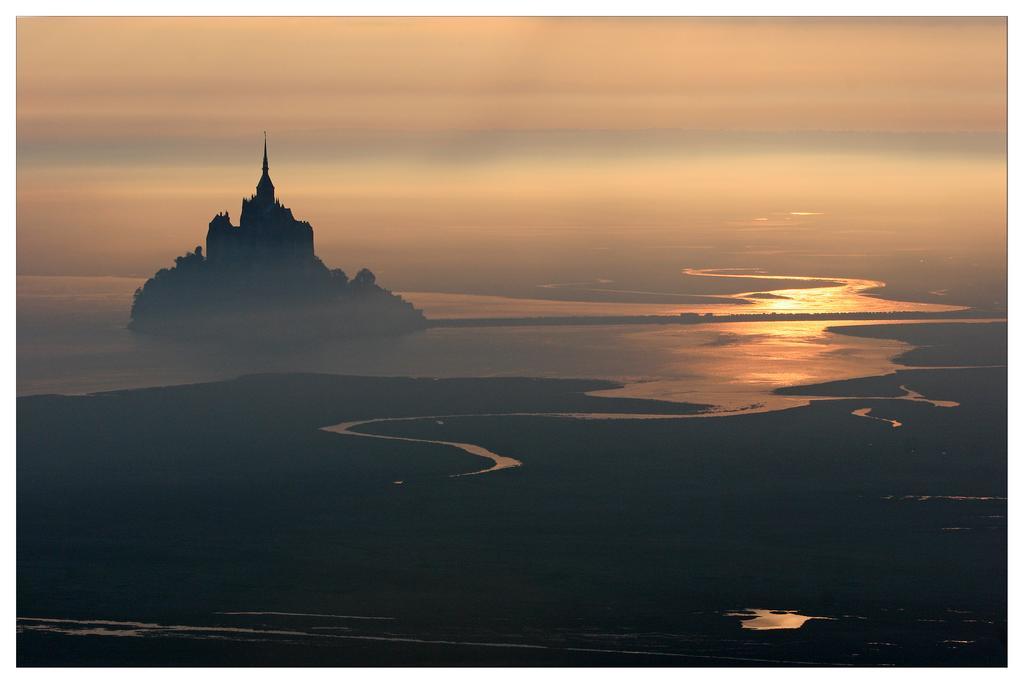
{"x": 474, "y": 136}
{"x": 174, "y": 76}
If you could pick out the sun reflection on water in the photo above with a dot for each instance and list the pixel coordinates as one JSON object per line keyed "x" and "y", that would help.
{"x": 847, "y": 295}
{"x": 736, "y": 365}
{"x": 764, "y": 619}
{"x": 834, "y": 295}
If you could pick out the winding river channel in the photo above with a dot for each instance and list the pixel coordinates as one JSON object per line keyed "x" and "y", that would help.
{"x": 500, "y": 462}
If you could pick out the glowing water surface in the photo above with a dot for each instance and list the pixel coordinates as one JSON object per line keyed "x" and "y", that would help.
{"x": 840, "y": 295}
{"x": 764, "y": 619}
{"x": 737, "y": 366}
{"x": 866, "y": 413}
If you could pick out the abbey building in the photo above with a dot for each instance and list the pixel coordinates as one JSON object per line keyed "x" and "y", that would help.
{"x": 267, "y": 235}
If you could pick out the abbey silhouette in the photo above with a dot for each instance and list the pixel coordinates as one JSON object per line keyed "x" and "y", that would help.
{"x": 267, "y": 233}
{"x": 263, "y": 279}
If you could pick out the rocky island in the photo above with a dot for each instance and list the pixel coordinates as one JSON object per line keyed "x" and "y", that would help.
{"x": 262, "y": 279}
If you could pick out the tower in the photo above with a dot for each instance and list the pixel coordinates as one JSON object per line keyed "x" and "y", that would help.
{"x": 265, "y": 188}
{"x": 267, "y": 231}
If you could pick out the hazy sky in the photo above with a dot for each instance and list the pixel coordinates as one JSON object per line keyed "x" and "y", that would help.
{"x": 494, "y": 147}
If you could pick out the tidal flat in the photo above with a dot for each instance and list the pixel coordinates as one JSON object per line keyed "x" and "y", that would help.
{"x": 218, "y": 523}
